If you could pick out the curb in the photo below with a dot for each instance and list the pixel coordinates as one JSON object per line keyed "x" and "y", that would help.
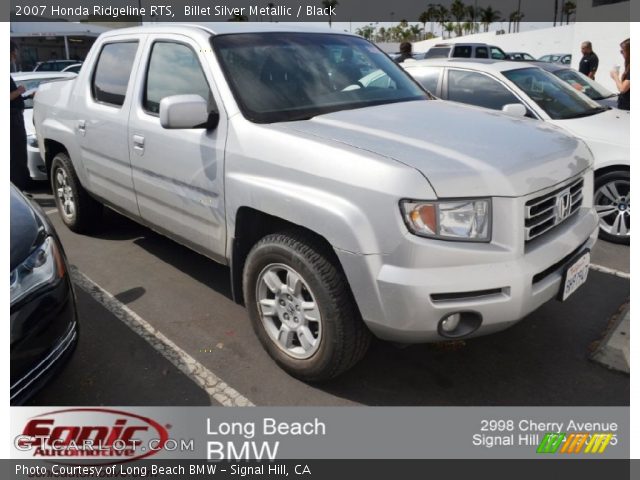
{"x": 613, "y": 349}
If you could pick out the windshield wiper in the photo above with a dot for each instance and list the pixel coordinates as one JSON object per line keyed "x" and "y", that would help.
{"x": 587, "y": 113}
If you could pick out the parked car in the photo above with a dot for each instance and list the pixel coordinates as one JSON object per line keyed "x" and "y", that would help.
{"x": 74, "y": 68}
{"x": 337, "y": 211}
{"x": 582, "y": 83}
{"x": 563, "y": 58}
{"x": 31, "y": 81}
{"x": 43, "y": 320}
{"x": 465, "y": 50}
{"x": 520, "y": 57}
{"x": 525, "y": 89}
{"x": 53, "y": 65}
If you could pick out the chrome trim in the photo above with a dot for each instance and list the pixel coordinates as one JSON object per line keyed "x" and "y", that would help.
{"x": 46, "y": 363}
{"x": 549, "y": 210}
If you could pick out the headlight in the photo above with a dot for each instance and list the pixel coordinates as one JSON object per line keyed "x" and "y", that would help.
{"x": 465, "y": 220}
{"x": 32, "y": 141}
{"x": 44, "y": 266}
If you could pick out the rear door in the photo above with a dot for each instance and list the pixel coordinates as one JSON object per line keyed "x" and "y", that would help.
{"x": 178, "y": 174}
{"x": 101, "y": 124}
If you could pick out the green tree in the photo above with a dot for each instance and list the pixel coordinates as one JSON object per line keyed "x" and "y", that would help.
{"x": 329, "y": 4}
{"x": 449, "y": 27}
{"x": 423, "y": 19}
{"x": 458, "y": 12}
{"x": 442, "y": 16}
{"x": 270, "y": 5}
{"x": 488, "y": 16}
{"x": 569, "y": 9}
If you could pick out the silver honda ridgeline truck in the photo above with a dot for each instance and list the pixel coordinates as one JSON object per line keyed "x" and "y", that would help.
{"x": 344, "y": 198}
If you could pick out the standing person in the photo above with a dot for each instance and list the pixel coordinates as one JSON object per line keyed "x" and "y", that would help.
{"x": 623, "y": 80}
{"x": 589, "y": 62}
{"x": 405, "y": 52}
{"x": 19, "y": 173}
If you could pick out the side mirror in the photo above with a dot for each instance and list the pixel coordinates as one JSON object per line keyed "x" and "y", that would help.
{"x": 184, "y": 111}
{"x": 515, "y": 109}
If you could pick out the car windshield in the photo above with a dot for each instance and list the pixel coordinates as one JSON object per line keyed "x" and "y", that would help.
{"x": 558, "y": 99}
{"x": 294, "y": 76}
{"x": 584, "y": 84}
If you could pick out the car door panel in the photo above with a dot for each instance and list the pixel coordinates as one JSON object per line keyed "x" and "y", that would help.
{"x": 178, "y": 174}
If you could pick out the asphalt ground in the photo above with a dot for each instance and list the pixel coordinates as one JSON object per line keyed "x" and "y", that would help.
{"x": 543, "y": 360}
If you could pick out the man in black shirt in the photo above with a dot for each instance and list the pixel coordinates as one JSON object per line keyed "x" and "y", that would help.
{"x": 19, "y": 173}
{"x": 589, "y": 62}
{"x": 405, "y": 52}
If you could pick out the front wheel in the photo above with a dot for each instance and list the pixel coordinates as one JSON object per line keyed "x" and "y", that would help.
{"x": 612, "y": 201}
{"x": 78, "y": 210}
{"x": 301, "y": 307}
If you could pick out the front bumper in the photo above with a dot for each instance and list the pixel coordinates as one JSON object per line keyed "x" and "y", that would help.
{"x": 35, "y": 164}
{"x": 404, "y": 295}
{"x": 47, "y": 322}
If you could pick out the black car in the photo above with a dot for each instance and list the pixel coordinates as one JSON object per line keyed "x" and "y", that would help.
{"x": 44, "y": 326}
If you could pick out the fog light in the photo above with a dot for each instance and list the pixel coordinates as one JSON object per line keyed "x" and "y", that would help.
{"x": 459, "y": 324}
{"x": 451, "y": 322}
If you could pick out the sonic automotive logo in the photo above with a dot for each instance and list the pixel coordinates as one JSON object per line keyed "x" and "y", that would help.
{"x": 92, "y": 432}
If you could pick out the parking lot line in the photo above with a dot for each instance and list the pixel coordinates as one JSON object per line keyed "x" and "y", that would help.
{"x": 610, "y": 271}
{"x": 217, "y": 389}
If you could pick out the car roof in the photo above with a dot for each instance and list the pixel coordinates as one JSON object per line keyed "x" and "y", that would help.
{"x": 41, "y": 75}
{"x": 480, "y": 64}
{"x": 470, "y": 44}
{"x": 221, "y": 28}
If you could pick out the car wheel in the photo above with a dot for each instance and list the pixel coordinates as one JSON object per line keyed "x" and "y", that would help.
{"x": 301, "y": 307}
{"x": 78, "y": 210}
{"x": 612, "y": 201}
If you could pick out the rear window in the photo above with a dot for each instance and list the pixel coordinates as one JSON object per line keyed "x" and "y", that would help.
{"x": 111, "y": 77}
{"x": 438, "y": 52}
{"x": 462, "y": 51}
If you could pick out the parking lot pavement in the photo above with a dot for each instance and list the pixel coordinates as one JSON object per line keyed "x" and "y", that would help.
{"x": 112, "y": 365}
{"x": 543, "y": 360}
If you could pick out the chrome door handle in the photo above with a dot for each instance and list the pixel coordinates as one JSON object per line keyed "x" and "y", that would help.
{"x": 138, "y": 144}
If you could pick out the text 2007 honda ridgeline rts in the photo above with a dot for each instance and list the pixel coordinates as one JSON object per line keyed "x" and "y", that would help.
{"x": 344, "y": 199}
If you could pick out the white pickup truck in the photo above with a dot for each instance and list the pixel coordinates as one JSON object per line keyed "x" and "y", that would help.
{"x": 342, "y": 209}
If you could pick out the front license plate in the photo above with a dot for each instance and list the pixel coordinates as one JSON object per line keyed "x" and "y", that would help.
{"x": 575, "y": 275}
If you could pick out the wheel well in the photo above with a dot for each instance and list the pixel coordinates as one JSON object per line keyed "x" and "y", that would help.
{"x": 51, "y": 149}
{"x": 611, "y": 168}
{"x": 251, "y": 226}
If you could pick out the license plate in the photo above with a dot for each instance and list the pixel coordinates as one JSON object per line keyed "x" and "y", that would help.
{"x": 575, "y": 275}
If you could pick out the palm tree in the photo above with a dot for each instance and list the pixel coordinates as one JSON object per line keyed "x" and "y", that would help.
{"x": 561, "y": 10}
{"x": 382, "y": 34}
{"x": 329, "y": 4}
{"x": 569, "y": 9}
{"x": 238, "y": 18}
{"x": 270, "y": 5}
{"x": 442, "y": 14}
{"x": 555, "y": 12}
{"x": 472, "y": 13}
{"x": 423, "y": 19}
{"x": 488, "y": 16}
{"x": 458, "y": 11}
{"x": 432, "y": 11}
{"x": 415, "y": 31}
{"x": 449, "y": 27}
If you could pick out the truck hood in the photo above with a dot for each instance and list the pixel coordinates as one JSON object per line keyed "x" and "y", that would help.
{"x": 462, "y": 151}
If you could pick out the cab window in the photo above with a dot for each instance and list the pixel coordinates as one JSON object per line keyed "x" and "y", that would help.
{"x": 112, "y": 73}
{"x": 174, "y": 69}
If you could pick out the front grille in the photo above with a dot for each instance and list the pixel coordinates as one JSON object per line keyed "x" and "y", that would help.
{"x": 551, "y": 209}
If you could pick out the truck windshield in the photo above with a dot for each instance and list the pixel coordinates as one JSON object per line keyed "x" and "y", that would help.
{"x": 558, "y": 99}
{"x": 278, "y": 77}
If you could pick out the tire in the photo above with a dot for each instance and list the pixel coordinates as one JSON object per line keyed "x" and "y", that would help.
{"x": 78, "y": 210}
{"x": 612, "y": 202}
{"x": 333, "y": 338}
